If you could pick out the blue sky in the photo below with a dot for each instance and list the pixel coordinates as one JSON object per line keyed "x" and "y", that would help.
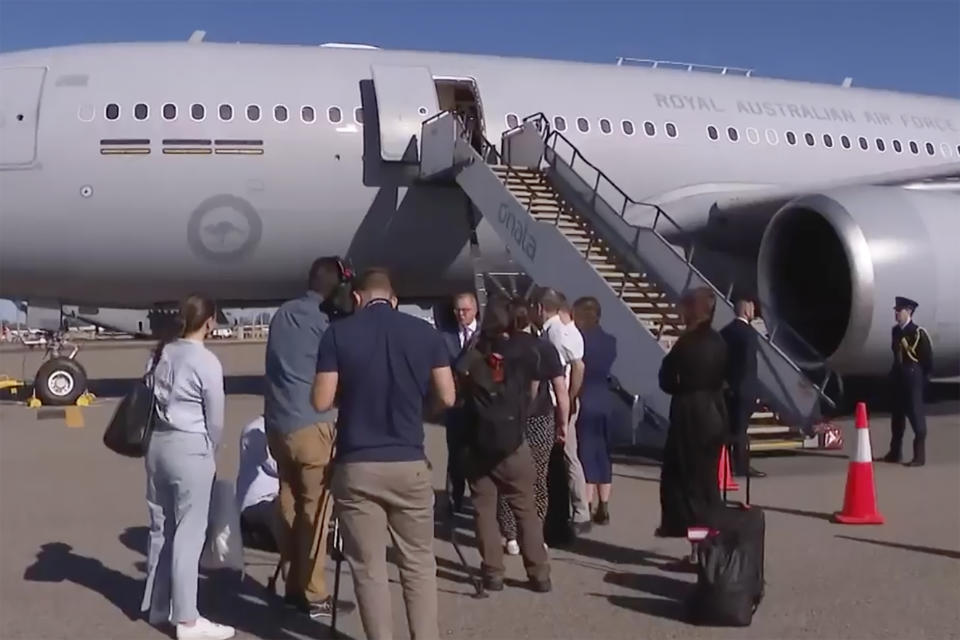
{"x": 911, "y": 45}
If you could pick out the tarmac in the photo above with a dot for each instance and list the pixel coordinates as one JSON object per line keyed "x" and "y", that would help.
{"x": 73, "y": 536}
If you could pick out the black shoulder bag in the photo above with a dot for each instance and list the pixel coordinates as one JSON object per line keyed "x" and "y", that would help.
{"x": 132, "y": 424}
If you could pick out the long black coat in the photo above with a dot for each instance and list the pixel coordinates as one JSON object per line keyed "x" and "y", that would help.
{"x": 693, "y": 373}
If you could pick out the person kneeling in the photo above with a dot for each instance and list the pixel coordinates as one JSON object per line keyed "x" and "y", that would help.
{"x": 498, "y": 376}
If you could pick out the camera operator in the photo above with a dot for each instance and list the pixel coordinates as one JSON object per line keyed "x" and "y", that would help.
{"x": 384, "y": 363}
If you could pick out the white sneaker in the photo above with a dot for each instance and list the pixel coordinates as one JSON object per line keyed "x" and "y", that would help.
{"x": 203, "y": 629}
{"x": 513, "y": 549}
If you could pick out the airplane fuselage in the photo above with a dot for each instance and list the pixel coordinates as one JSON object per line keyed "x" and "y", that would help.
{"x": 254, "y": 175}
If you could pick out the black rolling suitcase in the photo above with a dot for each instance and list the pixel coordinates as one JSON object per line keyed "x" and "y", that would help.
{"x": 557, "y": 528}
{"x": 730, "y": 582}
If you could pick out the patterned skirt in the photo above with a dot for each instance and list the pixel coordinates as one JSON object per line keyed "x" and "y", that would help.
{"x": 540, "y": 435}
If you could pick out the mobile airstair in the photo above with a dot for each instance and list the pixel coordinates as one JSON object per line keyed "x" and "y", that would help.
{"x": 564, "y": 223}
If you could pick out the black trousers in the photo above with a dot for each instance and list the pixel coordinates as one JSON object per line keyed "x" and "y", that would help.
{"x": 907, "y": 403}
{"x": 456, "y": 476}
{"x": 740, "y": 406}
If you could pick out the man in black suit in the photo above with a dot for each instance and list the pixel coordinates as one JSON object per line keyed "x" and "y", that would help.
{"x": 741, "y": 339}
{"x": 465, "y": 313}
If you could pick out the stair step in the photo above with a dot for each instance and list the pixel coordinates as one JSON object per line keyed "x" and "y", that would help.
{"x": 765, "y": 429}
{"x": 780, "y": 444}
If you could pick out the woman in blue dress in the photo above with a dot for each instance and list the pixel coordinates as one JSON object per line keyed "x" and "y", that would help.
{"x": 594, "y": 421}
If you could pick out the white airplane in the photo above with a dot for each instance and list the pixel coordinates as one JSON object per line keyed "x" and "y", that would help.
{"x": 132, "y": 174}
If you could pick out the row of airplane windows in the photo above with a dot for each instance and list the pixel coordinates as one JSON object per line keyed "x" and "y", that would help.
{"x": 606, "y": 126}
{"x": 752, "y": 136}
{"x": 225, "y": 112}
{"x": 772, "y": 137}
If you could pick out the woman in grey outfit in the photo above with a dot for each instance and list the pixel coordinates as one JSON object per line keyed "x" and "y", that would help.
{"x": 180, "y": 471}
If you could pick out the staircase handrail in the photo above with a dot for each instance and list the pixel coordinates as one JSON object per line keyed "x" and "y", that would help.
{"x": 550, "y": 136}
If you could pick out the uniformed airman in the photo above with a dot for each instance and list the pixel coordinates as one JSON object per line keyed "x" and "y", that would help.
{"x": 912, "y": 365}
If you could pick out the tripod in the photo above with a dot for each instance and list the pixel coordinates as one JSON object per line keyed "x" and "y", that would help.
{"x": 479, "y": 591}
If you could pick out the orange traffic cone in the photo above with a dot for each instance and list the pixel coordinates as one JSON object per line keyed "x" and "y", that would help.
{"x": 860, "y": 498}
{"x": 724, "y": 473}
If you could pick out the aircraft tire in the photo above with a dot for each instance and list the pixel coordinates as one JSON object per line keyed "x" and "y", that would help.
{"x": 60, "y": 381}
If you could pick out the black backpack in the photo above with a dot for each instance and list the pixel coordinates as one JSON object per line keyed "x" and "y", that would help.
{"x": 496, "y": 394}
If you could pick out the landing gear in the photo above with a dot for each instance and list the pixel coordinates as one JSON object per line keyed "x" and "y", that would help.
{"x": 60, "y": 380}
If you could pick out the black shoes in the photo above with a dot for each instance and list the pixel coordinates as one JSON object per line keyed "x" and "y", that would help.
{"x": 915, "y": 463}
{"x": 540, "y": 586}
{"x": 754, "y": 473}
{"x": 893, "y": 457}
{"x": 602, "y": 514}
{"x": 491, "y": 583}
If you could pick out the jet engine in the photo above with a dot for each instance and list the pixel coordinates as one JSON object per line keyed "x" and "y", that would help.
{"x": 831, "y": 263}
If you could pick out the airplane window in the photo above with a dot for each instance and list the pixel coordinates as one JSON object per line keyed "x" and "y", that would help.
{"x": 225, "y": 111}
{"x": 914, "y": 149}
{"x": 140, "y": 111}
{"x": 712, "y": 132}
{"x": 930, "y": 150}
{"x": 827, "y": 141}
{"x": 945, "y": 149}
{"x": 897, "y": 146}
{"x": 791, "y": 137}
{"x": 958, "y": 149}
{"x": 733, "y": 134}
{"x": 772, "y": 137}
{"x": 358, "y": 115}
{"x": 334, "y": 115}
{"x": 112, "y": 111}
{"x": 650, "y": 128}
{"x": 307, "y": 114}
{"x": 864, "y": 144}
{"x": 671, "y": 130}
{"x": 280, "y": 113}
{"x": 512, "y": 120}
{"x": 627, "y": 127}
{"x": 253, "y": 113}
{"x": 881, "y": 146}
{"x": 169, "y": 111}
{"x": 559, "y": 123}
{"x": 583, "y": 125}
{"x": 753, "y": 136}
{"x": 845, "y": 141}
{"x": 605, "y": 126}
{"x": 197, "y": 112}
{"x": 809, "y": 138}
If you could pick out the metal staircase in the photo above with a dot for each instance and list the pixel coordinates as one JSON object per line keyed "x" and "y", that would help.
{"x": 560, "y": 228}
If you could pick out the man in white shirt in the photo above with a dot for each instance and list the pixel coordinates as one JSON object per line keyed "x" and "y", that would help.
{"x": 258, "y": 488}
{"x": 567, "y": 340}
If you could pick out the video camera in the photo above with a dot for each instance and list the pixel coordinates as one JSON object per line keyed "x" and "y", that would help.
{"x": 340, "y": 304}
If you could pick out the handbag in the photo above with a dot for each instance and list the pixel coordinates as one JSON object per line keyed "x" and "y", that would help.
{"x": 132, "y": 424}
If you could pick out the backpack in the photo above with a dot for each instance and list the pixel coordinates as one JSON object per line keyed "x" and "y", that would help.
{"x": 497, "y": 398}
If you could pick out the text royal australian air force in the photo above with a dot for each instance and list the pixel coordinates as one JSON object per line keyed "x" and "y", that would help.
{"x": 800, "y": 111}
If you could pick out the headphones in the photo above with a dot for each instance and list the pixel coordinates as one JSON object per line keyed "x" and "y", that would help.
{"x": 344, "y": 272}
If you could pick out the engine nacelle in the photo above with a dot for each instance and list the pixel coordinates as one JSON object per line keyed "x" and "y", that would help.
{"x": 830, "y": 265}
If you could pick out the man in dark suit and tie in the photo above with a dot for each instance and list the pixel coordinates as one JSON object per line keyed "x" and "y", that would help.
{"x": 465, "y": 312}
{"x": 741, "y": 339}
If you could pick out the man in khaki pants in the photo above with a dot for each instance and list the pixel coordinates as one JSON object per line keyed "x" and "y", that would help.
{"x": 301, "y": 438}
{"x": 385, "y": 362}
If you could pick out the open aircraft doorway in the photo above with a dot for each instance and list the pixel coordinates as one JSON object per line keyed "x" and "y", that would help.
{"x": 462, "y": 96}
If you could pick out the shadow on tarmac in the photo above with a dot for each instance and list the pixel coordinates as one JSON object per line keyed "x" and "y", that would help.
{"x": 224, "y": 596}
{"x": 119, "y": 387}
{"x": 945, "y": 553}
{"x": 797, "y": 512}
{"x": 670, "y": 594}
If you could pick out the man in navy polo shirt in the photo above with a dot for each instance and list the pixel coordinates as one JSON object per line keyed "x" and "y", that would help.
{"x": 384, "y": 363}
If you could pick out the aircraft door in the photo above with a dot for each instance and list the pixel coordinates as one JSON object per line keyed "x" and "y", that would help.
{"x": 406, "y": 96}
{"x": 20, "y": 89}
